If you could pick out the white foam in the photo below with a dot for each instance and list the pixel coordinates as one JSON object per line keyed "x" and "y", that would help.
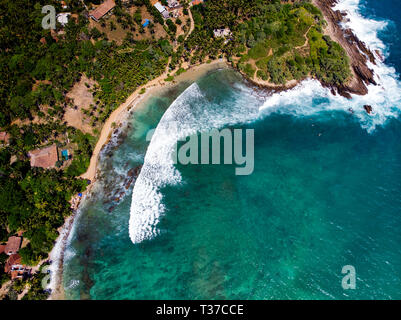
{"x": 308, "y": 98}
{"x": 385, "y": 98}
{"x": 186, "y": 116}
{"x": 56, "y": 253}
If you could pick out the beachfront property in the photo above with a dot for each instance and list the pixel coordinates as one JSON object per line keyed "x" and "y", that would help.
{"x": 105, "y": 8}
{"x": 45, "y": 158}
{"x": 15, "y": 267}
{"x": 162, "y": 10}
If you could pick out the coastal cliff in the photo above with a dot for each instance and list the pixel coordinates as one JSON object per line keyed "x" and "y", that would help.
{"x": 359, "y": 54}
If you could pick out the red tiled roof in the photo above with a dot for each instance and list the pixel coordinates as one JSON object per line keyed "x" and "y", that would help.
{"x": 101, "y": 10}
{"x": 12, "y": 245}
{"x": 15, "y": 259}
{"x": 44, "y": 158}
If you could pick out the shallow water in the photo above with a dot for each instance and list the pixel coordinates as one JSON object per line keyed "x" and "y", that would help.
{"x": 325, "y": 193}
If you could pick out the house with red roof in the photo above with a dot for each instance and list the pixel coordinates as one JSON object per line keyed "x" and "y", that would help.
{"x": 13, "y": 245}
{"x": 102, "y": 10}
{"x": 44, "y": 158}
{"x": 15, "y": 267}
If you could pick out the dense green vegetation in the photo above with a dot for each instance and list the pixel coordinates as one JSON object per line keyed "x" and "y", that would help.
{"x": 274, "y": 40}
{"x": 37, "y": 69}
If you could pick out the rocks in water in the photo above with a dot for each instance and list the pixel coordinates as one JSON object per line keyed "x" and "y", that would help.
{"x": 131, "y": 172}
{"x": 351, "y": 110}
{"x": 357, "y": 51}
{"x": 368, "y": 108}
{"x": 132, "y": 175}
{"x": 379, "y": 54}
{"x": 116, "y": 194}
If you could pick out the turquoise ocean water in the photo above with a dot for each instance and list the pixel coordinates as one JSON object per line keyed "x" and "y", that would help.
{"x": 325, "y": 193}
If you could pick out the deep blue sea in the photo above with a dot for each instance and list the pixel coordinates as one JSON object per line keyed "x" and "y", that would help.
{"x": 325, "y": 192}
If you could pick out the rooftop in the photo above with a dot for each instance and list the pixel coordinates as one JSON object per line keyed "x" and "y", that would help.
{"x": 44, "y": 158}
{"x": 101, "y": 10}
{"x": 159, "y": 7}
{"x": 13, "y": 244}
{"x": 196, "y": 2}
{"x": 14, "y": 260}
{"x": 62, "y": 18}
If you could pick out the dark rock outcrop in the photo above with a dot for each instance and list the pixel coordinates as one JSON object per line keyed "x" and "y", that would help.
{"x": 357, "y": 50}
{"x": 368, "y": 108}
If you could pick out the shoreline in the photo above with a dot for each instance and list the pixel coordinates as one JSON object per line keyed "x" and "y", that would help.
{"x": 118, "y": 116}
{"x": 358, "y": 53}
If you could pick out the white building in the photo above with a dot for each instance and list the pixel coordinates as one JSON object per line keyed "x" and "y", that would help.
{"x": 162, "y": 10}
{"x": 173, "y": 3}
{"x": 62, "y": 18}
{"x": 220, "y": 33}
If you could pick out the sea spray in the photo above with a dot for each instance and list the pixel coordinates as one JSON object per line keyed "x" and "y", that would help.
{"x": 310, "y": 98}
{"x": 190, "y": 113}
{"x": 59, "y": 253}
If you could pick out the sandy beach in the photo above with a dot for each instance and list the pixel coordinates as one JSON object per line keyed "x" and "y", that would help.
{"x": 117, "y": 117}
{"x": 191, "y": 74}
{"x": 121, "y": 113}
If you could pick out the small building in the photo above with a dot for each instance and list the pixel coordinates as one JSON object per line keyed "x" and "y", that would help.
{"x": 13, "y": 245}
{"x": 196, "y": 2}
{"x": 62, "y": 18}
{"x": 65, "y": 155}
{"x": 146, "y": 23}
{"x": 15, "y": 267}
{"x": 4, "y": 137}
{"x": 222, "y": 33}
{"x": 44, "y": 158}
{"x": 102, "y": 10}
{"x": 162, "y": 10}
{"x": 173, "y": 3}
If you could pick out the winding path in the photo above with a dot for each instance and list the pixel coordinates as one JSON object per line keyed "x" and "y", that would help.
{"x": 192, "y": 27}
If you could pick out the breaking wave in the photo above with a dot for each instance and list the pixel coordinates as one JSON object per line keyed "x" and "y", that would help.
{"x": 193, "y": 112}
{"x": 190, "y": 113}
